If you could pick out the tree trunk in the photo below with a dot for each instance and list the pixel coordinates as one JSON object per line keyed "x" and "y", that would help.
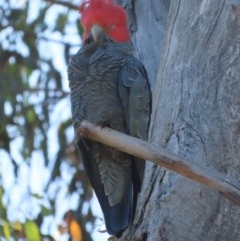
{"x": 196, "y": 114}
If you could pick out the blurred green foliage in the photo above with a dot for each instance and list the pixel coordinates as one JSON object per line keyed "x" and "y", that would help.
{"x": 36, "y": 40}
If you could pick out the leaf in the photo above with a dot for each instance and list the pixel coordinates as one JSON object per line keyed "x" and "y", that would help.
{"x": 112, "y": 238}
{"x": 31, "y": 116}
{"x": 1, "y": 194}
{"x": 17, "y": 226}
{"x": 61, "y": 22}
{"x": 32, "y": 231}
{"x": 46, "y": 211}
{"x": 79, "y": 28}
{"x": 75, "y": 231}
{"x": 37, "y": 196}
{"x": 2, "y": 207}
{"x": 6, "y": 230}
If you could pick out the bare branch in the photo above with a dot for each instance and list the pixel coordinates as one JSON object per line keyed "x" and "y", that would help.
{"x": 53, "y": 92}
{"x": 160, "y": 156}
{"x": 57, "y": 41}
{"x": 63, "y": 3}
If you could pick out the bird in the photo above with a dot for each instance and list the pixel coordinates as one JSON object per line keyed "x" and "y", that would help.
{"x": 110, "y": 88}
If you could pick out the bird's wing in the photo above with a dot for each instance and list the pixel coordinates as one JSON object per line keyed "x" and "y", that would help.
{"x": 135, "y": 95}
{"x": 116, "y": 215}
{"x": 109, "y": 170}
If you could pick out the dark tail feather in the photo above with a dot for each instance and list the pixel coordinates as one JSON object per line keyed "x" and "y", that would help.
{"x": 118, "y": 217}
{"x": 138, "y": 174}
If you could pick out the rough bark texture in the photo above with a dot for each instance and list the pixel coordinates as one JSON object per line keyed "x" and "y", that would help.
{"x": 196, "y": 113}
{"x": 147, "y": 23}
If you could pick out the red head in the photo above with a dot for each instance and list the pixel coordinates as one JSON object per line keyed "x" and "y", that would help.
{"x": 111, "y": 17}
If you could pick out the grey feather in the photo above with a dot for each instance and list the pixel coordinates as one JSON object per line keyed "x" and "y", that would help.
{"x": 110, "y": 87}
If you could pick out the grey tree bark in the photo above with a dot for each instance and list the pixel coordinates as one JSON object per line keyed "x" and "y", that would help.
{"x": 196, "y": 114}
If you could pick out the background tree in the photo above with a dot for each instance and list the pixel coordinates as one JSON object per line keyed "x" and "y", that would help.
{"x": 40, "y": 171}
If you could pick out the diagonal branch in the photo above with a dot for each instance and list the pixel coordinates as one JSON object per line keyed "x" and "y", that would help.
{"x": 63, "y": 3}
{"x": 160, "y": 156}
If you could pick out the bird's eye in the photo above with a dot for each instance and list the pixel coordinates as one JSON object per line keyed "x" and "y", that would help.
{"x": 111, "y": 27}
{"x": 84, "y": 6}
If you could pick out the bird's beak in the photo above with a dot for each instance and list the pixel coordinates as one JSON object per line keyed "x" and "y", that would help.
{"x": 96, "y": 31}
